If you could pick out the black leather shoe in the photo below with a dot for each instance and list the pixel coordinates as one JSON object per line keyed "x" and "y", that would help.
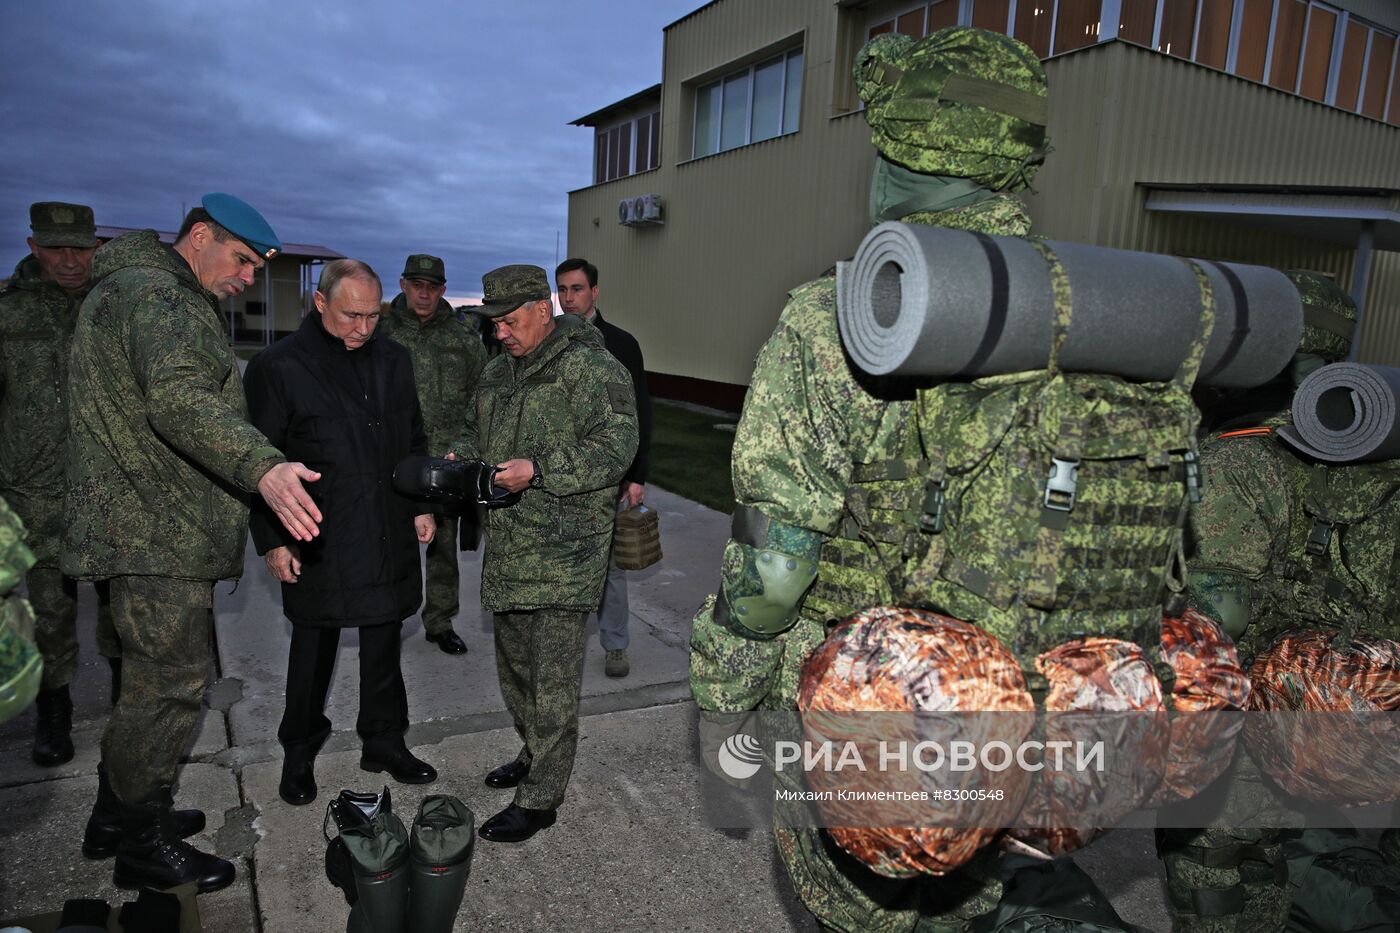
{"x": 298, "y": 784}
{"x": 53, "y": 732}
{"x": 516, "y": 824}
{"x": 104, "y": 826}
{"x": 151, "y": 855}
{"x": 400, "y": 764}
{"x": 449, "y": 641}
{"x": 508, "y": 775}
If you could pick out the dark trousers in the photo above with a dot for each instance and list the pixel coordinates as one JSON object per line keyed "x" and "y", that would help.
{"x": 383, "y": 713}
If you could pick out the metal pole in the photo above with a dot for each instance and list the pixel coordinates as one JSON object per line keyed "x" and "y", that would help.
{"x": 1359, "y": 276}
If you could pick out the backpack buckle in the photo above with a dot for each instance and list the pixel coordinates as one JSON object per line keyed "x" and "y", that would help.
{"x": 1194, "y": 486}
{"x": 1061, "y": 485}
{"x": 935, "y": 500}
{"x": 1320, "y": 537}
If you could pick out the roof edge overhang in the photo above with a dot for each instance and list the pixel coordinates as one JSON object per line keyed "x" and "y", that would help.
{"x": 596, "y": 117}
{"x": 1334, "y": 214}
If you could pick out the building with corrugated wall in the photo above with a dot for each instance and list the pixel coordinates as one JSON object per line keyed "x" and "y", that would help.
{"x": 1260, "y": 131}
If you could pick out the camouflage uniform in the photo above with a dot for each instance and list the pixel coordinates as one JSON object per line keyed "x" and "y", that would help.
{"x": 160, "y": 457}
{"x": 20, "y": 663}
{"x": 36, "y": 327}
{"x": 447, "y": 361}
{"x": 814, "y": 428}
{"x": 1251, "y": 565}
{"x": 569, "y": 405}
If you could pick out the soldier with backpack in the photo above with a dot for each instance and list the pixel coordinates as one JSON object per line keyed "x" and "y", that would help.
{"x": 1281, "y": 544}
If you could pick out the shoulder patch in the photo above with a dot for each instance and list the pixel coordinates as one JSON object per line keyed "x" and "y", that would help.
{"x": 622, "y": 398}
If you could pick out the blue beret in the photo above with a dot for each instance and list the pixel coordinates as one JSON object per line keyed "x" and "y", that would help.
{"x": 242, "y": 220}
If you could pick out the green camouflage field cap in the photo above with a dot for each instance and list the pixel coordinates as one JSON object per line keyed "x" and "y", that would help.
{"x": 1329, "y": 316}
{"x": 964, "y": 102}
{"x": 58, "y": 224}
{"x": 507, "y": 288}
{"x": 425, "y": 267}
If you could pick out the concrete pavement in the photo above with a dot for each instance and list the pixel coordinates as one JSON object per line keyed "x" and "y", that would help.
{"x": 629, "y": 851}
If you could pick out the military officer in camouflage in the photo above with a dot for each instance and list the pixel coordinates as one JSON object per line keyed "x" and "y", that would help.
{"x": 38, "y": 310}
{"x": 1267, "y": 559}
{"x": 556, "y": 413}
{"x": 813, "y": 426}
{"x": 160, "y": 458}
{"x": 447, "y": 361}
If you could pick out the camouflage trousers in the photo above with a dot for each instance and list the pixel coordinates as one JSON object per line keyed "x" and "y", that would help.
{"x": 165, "y": 627}
{"x": 443, "y": 591}
{"x": 55, "y": 601}
{"x": 539, "y": 659}
{"x": 1229, "y": 878}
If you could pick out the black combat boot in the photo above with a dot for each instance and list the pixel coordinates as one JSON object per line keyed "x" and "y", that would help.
{"x": 53, "y": 734}
{"x": 152, "y": 855}
{"x": 104, "y": 827}
{"x": 116, "y": 665}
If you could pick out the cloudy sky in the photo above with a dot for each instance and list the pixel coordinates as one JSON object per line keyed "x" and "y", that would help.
{"x": 377, "y": 129}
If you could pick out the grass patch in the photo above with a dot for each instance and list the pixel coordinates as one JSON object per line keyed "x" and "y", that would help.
{"x": 690, "y": 457}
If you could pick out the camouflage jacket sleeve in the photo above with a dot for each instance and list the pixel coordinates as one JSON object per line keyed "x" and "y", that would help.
{"x": 180, "y": 364}
{"x": 605, "y": 422}
{"x": 791, "y": 452}
{"x": 1243, "y": 510}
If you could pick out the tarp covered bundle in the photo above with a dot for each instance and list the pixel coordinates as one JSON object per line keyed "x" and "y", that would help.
{"x": 951, "y": 304}
{"x": 1347, "y": 413}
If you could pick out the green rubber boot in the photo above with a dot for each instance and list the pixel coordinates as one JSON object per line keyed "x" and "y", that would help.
{"x": 379, "y": 859}
{"x": 440, "y": 862}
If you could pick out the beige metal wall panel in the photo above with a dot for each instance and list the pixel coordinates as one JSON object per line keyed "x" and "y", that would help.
{"x": 1120, "y": 115}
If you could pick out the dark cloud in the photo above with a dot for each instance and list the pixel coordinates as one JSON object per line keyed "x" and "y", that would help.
{"x": 375, "y": 129}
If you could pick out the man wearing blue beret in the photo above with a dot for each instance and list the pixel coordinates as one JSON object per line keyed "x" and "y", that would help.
{"x": 160, "y": 459}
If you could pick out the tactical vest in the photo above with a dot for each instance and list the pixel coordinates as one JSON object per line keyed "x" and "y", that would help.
{"x": 1044, "y": 505}
{"x": 1319, "y": 576}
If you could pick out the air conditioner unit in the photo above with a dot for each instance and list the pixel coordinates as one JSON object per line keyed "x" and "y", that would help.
{"x": 652, "y": 205}
{"x": 624, "y": 212}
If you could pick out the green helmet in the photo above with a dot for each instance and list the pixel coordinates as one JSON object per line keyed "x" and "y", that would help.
{"x": 962, "y": 102}
{"x": 1329, "y": 316}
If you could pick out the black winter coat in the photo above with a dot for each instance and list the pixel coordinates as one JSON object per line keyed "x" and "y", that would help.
{"x": 351, "y": 415}
{"x": 624, "y": 347}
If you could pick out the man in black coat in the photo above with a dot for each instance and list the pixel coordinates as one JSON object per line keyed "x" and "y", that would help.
{"x": 345, "y": 403}
{"x": 577, "y": 282}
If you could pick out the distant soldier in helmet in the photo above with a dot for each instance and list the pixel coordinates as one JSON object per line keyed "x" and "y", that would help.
{"x": 1281, "y": 543}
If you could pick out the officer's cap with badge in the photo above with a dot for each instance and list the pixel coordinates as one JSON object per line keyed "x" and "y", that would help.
{"x": 507, "y": 288}
{"x": 56, "y": 224}
{"x": 242, "y": 220}
{"x": 425, "y": 267}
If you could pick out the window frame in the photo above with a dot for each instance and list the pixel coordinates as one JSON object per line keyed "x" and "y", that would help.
{"x": 602, "y": 135}
{"x": 781, "y": 58}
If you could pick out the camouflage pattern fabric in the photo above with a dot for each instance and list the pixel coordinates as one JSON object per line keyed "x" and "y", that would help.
{"x": 568, "y": 404}
{"x": 161, "y": 452}
{"x": 1253, "y": 524}
{"x": 165, "y": 625}
{"x": 55, "y": 601}
{"x": 962, "y": 101}
{"x": 21, "y": 665}
{"x": 1320, "y": 292}
{"x": 539, "y": 657}
{"x": 447, "y": 362}
{"x": 36, "y": 328}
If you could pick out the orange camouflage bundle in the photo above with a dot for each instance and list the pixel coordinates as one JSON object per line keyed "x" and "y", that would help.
{"x": 1347, "y": 757}
{"x": 1097, "y": 689}
{"x": 1208, "y": 680}
{"x": 912, "y": 661}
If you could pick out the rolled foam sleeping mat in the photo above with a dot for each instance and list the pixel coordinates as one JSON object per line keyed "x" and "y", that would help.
{"x": 1347, "y": 413}
{"x": 933, "y": 302}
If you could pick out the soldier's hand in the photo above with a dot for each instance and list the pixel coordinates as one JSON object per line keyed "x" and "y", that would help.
{"x": 283, "y": 564}
{"x": 426, "y": 526}
{"x": 632, "y": 495}
{"x": 281, "y": 487}
{"x": 515, "y": 474}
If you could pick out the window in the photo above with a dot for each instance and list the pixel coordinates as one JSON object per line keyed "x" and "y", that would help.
{"x": 749, "y": 106}
{"x": 628, "y": 148}
{"x": 924, "y": 19}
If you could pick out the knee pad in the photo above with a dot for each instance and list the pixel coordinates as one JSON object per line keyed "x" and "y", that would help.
{"x": 768, "y": 568}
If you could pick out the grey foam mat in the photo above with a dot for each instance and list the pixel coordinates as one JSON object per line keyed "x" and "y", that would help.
{"x": 1347, "y": 413}
{"x": 932, "y": 302}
